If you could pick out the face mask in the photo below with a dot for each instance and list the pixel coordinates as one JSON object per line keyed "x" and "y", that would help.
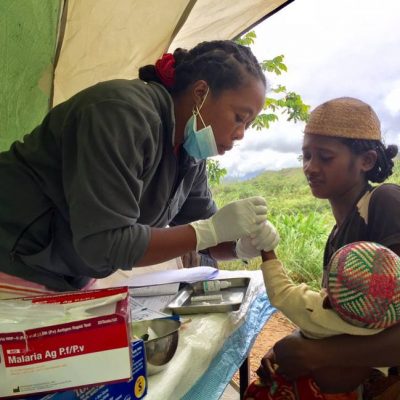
{"x": 199, "y": 144}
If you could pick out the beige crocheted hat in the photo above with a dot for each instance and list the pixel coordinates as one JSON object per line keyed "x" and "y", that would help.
{"x": 344, "y": 117}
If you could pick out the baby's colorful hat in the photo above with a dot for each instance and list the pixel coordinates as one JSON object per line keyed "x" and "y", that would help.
{"x": 345, "y": 117}
{"x": 364, "y": 285}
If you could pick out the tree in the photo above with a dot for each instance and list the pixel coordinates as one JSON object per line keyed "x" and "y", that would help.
{"x": 281, "y": 101}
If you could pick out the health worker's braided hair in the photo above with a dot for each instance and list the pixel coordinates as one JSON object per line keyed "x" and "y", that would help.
{"x": 223, "y": 64}
{"x": 383, "y": 167}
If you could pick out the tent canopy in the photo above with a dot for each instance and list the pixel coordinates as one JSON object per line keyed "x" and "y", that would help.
{"x": 50, "y": 49}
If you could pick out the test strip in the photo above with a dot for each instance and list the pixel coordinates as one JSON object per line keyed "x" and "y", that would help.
{"x": 210, "y": 297}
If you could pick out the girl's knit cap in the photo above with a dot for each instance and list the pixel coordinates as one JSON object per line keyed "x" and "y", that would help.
{"x": 344, "y": 117}
{"x": 364, "y": 285}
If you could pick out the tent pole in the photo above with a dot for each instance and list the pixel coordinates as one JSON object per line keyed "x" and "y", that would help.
{"x": 182, "y": 20}
{"x": 283, "y": 5}
{"x": 60, "y": 39}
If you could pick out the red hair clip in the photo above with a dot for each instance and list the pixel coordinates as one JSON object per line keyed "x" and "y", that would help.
{"x": 165, "y": 69}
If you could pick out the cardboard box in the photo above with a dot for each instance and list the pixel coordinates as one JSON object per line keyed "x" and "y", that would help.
{"x": 135, "y": 389}
{"x": 88, "y": 351}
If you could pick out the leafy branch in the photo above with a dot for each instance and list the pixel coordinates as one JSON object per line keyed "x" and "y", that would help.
{"x": 281, "y": 102}
{"x": 214, "y": 172}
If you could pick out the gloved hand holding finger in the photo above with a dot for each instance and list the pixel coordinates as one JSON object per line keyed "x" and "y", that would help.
{"x": 257, "y": 200}
{"x": 267, "y": 238}
{"x": 231, "y": 222}
{"x": 261, "y": 210}
{"x": 259, "y": 220}
{"x": 245, "y": 249}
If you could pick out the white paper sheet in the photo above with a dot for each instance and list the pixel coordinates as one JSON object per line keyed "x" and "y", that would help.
{"x": 171, "y": 276}
{"x": 144, "y": 308}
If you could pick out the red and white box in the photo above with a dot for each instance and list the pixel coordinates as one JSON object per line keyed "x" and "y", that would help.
{"x": 91, "y": 347}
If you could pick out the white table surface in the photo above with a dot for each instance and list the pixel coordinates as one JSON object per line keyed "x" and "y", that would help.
{"x": 212, "y": 347}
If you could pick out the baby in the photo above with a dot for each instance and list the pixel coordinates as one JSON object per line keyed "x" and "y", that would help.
{"x": 362, "y": 297}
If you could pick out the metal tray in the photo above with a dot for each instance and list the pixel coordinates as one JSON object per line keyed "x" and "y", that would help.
{"x": 232, "y": 298}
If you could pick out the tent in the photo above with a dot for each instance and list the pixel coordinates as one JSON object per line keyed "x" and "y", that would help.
{"x": 50, "y": 49}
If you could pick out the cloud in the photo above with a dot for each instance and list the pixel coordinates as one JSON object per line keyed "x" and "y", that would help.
{"x": 270, "y": 149}
{"x": 285, "y": 137}
{"x": 332, "y": 49}
{"x": 250, "y": 163}
{"x": 392, "y": 99}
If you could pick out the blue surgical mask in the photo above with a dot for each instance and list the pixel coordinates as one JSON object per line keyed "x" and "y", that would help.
{"x": 199, "y": 144}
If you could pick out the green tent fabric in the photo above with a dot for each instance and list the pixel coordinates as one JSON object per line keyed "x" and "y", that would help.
{"x": 28, "y": 36}
{"x": 50, "y": 49}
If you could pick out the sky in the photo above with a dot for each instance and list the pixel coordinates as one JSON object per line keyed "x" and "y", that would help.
{"x": 332, "y": 48}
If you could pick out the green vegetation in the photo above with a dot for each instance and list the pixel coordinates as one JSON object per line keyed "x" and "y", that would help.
{"x": 303, "y": 221}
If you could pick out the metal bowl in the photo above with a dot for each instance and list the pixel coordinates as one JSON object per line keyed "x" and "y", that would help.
{"x": 161, "y": 349}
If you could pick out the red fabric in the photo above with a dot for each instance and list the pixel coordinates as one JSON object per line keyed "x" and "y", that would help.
{"x": 165, "y": 70}
{"x": 12, "y": 286}
{"x": 302, "y": 389}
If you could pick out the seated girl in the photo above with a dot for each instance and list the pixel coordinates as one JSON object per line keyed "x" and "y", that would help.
{"x": 343, "y": 154}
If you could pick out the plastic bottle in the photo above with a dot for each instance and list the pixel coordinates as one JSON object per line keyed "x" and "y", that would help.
{"x": 210, "y": 286}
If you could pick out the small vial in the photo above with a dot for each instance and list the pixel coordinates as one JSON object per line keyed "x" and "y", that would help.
{"x": 210, "y": 286}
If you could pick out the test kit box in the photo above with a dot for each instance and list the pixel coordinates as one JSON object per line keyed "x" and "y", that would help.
{"x": 134, "y": 389}
{"x": 92, "y": 347}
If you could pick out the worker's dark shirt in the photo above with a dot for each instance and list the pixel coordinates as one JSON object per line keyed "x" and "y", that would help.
{"x": 78, "y": 196}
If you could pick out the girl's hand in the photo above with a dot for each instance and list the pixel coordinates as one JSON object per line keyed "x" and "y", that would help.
{"x": 266, "y": 369}
{"x": 296, "y": 356}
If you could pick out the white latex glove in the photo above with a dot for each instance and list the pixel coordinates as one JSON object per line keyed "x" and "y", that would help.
{"x": 236, "y": 219}
{"x": 250, "y": 246}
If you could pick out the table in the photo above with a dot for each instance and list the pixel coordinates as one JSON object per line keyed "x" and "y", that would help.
{"x": 212, "y": 347}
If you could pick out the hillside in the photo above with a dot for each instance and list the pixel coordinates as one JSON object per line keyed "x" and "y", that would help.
{"x": 286, "y": 191}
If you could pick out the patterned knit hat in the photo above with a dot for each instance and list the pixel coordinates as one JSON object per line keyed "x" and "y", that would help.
{"x": 344, "y": 117}
{"x": 364, "y": 285}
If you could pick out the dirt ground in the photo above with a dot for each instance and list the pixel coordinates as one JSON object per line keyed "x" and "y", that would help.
{"x": 276, "y": 328}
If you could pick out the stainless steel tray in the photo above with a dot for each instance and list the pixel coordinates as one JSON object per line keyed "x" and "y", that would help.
{"x": 232, "y": 298}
